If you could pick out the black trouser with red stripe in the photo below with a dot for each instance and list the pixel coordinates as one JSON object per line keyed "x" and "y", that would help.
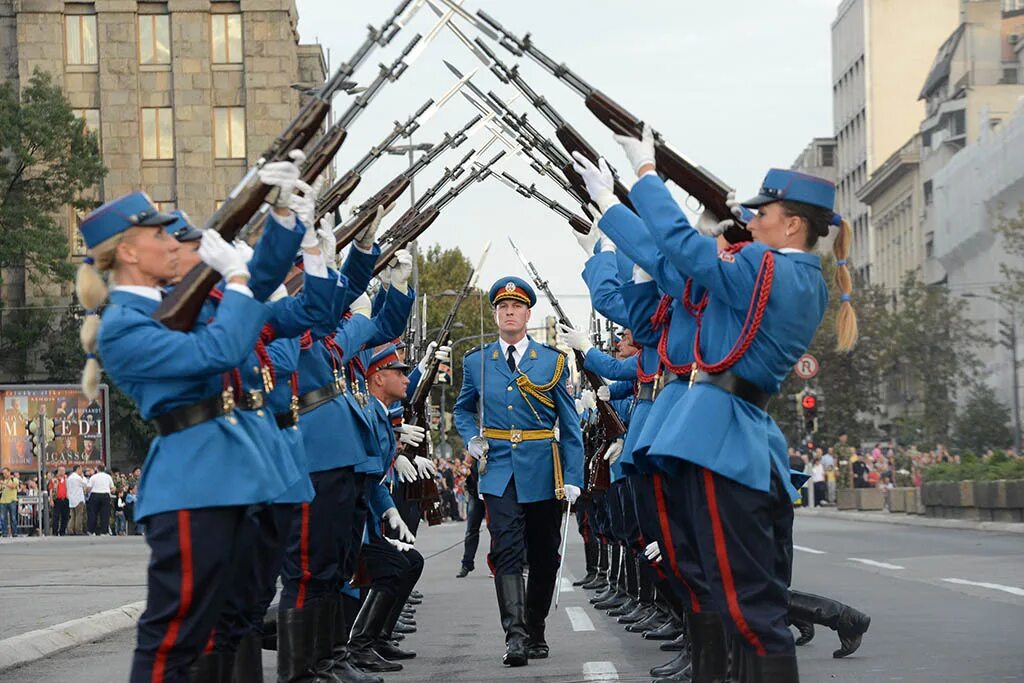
{"x": 744, "y": 541}
{"x": 193, "y": 558}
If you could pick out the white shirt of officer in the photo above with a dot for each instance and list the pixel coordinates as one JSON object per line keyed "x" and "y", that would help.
{"x": 519, "y": 349}
{"x": 101, "y": 482}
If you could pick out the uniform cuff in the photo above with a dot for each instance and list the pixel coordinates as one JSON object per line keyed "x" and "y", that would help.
{"x": 287, "y": 222}
{"x": 241, "y": 289}
{"x": 314, "y": 264}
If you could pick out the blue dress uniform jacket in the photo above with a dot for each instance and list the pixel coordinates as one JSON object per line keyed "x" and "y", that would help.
{"x": 380, "y": 444}
{"x": 620, "y": 369}
{"x": 507, "y": 408}
{"x": 161, "y": 370}
{"x": 284, "y": 354}
{"x": 357, "y": 271}
{"x": 602, "y": 279}
{"x": 729, "y": 435}
{"x": 273, "y": 256}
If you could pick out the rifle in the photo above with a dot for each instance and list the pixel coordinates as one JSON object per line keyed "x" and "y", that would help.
{"x": 421, "y": 221}
{"x": 609, "y": 426}
{"x": 697, "y": 181}
{"x": 426, "y": 490}
{"x": 531, "y": 192}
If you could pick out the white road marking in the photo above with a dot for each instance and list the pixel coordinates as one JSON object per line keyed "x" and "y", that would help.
{"x": 875, "y": 563}
{"x": 599, "y": 671}
{"x": 1012, "y": 590}
{"x": 579, "y": 619}
{"x": 567, "y": 585}
{"x": 805, "y": 549}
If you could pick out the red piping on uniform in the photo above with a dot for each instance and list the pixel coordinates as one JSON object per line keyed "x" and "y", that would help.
{"x": 670, "y": 549}
{"x": 722, "y": 554}
{"x": 185, "y": 590}
{"x": 300, "y": 599}
{"x": 487, "y": 520}
{"x": 210, "y": 642}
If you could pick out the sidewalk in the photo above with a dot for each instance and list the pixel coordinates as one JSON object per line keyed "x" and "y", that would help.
{"x": 882, "y": 517}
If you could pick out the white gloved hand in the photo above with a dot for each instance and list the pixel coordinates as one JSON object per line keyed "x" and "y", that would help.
{"x": 614, "y": 451}
{"x": 362, "y": 306}
{"x": 607, "y": 244}
{"x": 328, "y": 241}
{"x": 477, "y": 447}
{"x": 394, "y": 520}
{"x": 653, "y": 552}
{"x": 425, "y": 467}
{"x": 589, "y": 241}
{"x": 639, "y": 152}
{"x": 283, "y": 175}
{"x": 709, "y": 225}
{"x": 401, "y": 271}
{"x": 572, "y": 493}
{"x": 598, "y": 179}
{"x": 221, "y": 256}
{"x": 384, "y": 277}
{"x": 405, "y": 469}
{"x": 640, "y": 275}
{"x": 280, "y": 293}
{"x": 735, "y": 208}
{"x": 604, "y": 393}
{"x": 304, "y": 206}
{"x": 579, "y": 406}
{"x": 243, "y": 248}
{"x": 443, "y": 354}
{"x": 364, "y": 238}
{"x": 588, "y": 399}
{"x": 398, "y": 545}
{"x": 574, "y": 339}
{"x": 411, "y": 435}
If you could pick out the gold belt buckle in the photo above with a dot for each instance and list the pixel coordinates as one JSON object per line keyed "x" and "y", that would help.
{"x": 515, "y": 435}
{"x": 255, "y": 399}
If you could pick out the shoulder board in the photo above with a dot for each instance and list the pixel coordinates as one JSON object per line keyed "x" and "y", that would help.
{"x": 472, "y": 351}
{"x": 551, "y": 348}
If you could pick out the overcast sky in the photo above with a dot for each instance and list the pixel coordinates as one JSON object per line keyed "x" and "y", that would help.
{"x": 737, "y": 86}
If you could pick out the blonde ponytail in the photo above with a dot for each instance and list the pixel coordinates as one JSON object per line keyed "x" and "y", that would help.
{"x": 92, "y": 292}
{"x": 846, "y": 318}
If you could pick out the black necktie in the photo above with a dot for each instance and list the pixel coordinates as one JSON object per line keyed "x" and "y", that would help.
{"x": 511, "y": 360}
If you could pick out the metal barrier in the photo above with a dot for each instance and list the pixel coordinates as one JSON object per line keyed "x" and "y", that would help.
{"x": 30, "y": 514}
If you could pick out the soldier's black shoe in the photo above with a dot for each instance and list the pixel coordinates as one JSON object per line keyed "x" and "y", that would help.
{"x": 408, "y": 621}
{"x": 685, "y": 675}
{"x": 677, "y": 664}
{"x": 463, "y": 572}
{"x": 848, "y": 622}
{"x": 626, "y": 607}
{"x": 616, "y": 600}
{"x": 511, "y": 590}
{"x": 403, "y": 628}
{"x": 806, "y": 630}
{"x": 368, "y": 628}
{"x": 416, "y": 594}
{"x": 413, "y": 600}
{"x": 388, "y": 650}
{"x": 608, "y": 591}
{"x": 639, "y": 614}
{"x": 670, "y": 630}
{"x": 852, "y": 626}
{"x": 680, "y": 643}
{"x": 590, "y": 576}
{"x": 537, "y": 649}
{"x": 598, "y": 583}
{"x": 656, "y": 619}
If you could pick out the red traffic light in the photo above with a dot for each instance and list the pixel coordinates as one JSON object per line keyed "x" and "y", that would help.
{"x": 809, "y": 402}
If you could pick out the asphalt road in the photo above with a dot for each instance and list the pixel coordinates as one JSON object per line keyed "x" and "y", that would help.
{"x": 946, "y": 606}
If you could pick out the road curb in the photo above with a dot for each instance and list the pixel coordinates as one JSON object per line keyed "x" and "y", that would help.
{"x": 28, "y": 647}
{"x": 913, "y": 520}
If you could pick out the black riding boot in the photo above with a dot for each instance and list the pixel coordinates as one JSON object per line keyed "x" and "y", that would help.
{"x": 512, "y": 608}
{"x": 367, "y": 629}
{"x": 384, "y": 645}
{"x": 249, "y": 659}
{"x": 768, "y": 668}
{"x": 631, "y": 584}
{"x": 296, "y": 629}
{"x": 590, "y": 550}
{"x": 600, "y": 581}
{"x": 539, "y": 593}
{"x": 709, "y": 656}
{"x": 816, "y": 609}
{"x": 212, "y": 667}
{"x": 342, "y": 668}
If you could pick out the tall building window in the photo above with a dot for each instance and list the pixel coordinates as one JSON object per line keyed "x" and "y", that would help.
{"x": 80, "y": 39}
{"x": 157, "y": 133}
{"x": 154, "y": 39}
{"x": 226, "y": 32}
{"x": 229, "y": 132}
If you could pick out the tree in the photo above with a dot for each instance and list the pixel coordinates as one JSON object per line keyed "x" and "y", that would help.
{"x": 984, "y": 422}
{"x": 50, "y": 162}
{"x": 1011, "y": 229}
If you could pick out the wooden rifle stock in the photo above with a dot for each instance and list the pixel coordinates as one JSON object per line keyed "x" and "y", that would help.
{"x": 574, "y": 142}
{"x": 385, "y": 197}
{"x": 579, "y": 225}
{"x": 416, "y": 227}
{"x": 338, "y": 193}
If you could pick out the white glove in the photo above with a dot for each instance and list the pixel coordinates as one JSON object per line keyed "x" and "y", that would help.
{"x": 607, "y": 244}
{"x": 639, "y": 152}
{"x": 604, "y": 393}
{"x": 221, "y": 256}
{"x": 735, "y": 208}
{"x": 384, "y": 277}
{"x": 708, "y": 223}
{"x": 401, "y": 271}
{"x": 283, "y": 175}
{"x": 243, "y": 248}
{"x": 280, "y": 293}
{"x": 572, "y": 493}
{"x": 477, "y": 447}
{"x": 588, "y": 400}
{"x": 640, "y": 275}
{"x": 574, "y": 339}
{"x": 304, "y": 206}
{"x": 362, "y": 306}
{"x": 443, "y": 354}
{"x": 579, "y": 406}
{"x": 598, "y": 179}
{"x": 589, "y": 241}
{"x": 425, "y": 467}
{"x": 653, "y": 552}
{"x": 364, "y": 239}
{"x": 411, "y": 435}
{"x": 328, "y": 241}
{"x": 403, "y": 547}
{"x": 614, "y": 451}
{"x": 394, "y": 520}
{"x": 405, "y": 469}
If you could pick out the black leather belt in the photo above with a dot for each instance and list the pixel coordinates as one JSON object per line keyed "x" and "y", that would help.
{"x": 737, "y": 386}
{"x": 204, "y": 411}
{"x": 316, "y": 398}
{"x": 285, "y": 420}
{"x": 649, "y": 390}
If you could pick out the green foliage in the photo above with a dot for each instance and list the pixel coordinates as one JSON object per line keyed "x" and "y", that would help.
{"x": 976, "y": 470}
{"x": 1011, "y": 229}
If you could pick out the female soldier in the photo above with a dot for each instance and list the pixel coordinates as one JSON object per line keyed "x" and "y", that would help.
{"x": 763, "y": 306}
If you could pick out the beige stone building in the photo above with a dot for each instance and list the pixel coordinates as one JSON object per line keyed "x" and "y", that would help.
{"x": 881, "y": 53}
{"x": 185, "y": 94}
{"x": 818, "y": 159}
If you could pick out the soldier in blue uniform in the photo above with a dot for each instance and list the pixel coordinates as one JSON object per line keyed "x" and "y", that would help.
{"x": 764, "y": 305}
{"x": 176, "y": 379}
{"x": 521, "y": 389}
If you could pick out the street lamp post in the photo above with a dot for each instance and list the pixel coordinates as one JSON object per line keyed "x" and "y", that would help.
{"x": 1011, "y": 342}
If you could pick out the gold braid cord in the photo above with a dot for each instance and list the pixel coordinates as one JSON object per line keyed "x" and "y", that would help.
{"x": 527, "y": 388}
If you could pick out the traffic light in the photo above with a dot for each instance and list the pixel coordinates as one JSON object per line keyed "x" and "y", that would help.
{"x": 809, "y": 404}
{"x": 551, "y": 330}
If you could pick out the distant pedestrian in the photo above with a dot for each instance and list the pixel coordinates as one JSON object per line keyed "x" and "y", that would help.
{"x": 76, "y": 500}
{"x": 9, "y": 503}
{"x": 58, "y": 488}
{"x": 100, "y": 487}
{"x": 818, "y": 478}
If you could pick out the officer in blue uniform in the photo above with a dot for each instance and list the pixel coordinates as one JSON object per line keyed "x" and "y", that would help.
{"x": 175, "y": 378}
{"x": 764, "y": 305}
{"x": 521, "y": 388}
